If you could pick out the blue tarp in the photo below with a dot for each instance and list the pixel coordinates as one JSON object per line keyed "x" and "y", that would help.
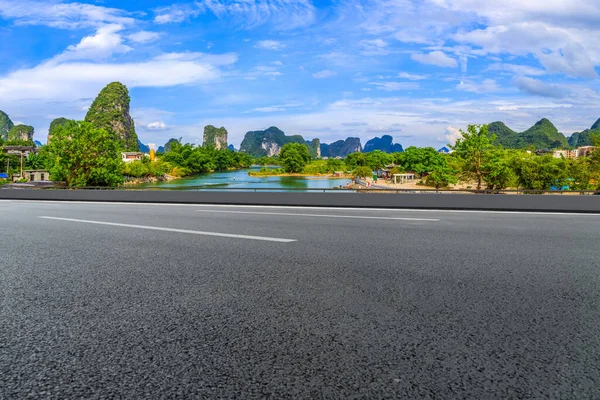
{"x": 3, "y": 175}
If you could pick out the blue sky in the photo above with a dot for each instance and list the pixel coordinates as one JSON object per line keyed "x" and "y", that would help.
{"x": 418, "y": 70}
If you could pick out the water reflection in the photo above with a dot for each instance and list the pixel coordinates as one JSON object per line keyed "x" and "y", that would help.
{"x": 242, "y": 181}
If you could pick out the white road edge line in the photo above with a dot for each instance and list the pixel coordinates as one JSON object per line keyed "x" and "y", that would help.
{"x": 417, "y": 210}
{"x": 156, "y": 228}
{"x": 321, "y": 215}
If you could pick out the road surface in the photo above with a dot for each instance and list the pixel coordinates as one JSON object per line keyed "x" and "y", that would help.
{"x": 156, "y": 301}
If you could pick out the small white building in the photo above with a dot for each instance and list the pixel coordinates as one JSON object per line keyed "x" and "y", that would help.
{"x": 403, "y": 178}
{"x": 131, "y": 156}
{"x": 566, "y": 154}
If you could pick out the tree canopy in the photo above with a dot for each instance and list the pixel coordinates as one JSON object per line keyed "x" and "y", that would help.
{"x": 294, "y": 157}
{"x": 81, "y": 154}
{"x": 472, "y": 148}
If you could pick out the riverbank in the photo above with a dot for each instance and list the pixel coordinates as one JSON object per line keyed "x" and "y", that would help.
{"x": 149, "y": 179}
{"x": 281, "y": 173}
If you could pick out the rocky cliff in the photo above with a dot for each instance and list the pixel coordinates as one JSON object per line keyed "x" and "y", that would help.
{"x": 5, "y": 125}
{"x": 268, "y": 142}
{"x": 110, "y": 111}
{"x": 21, "y": 132}
{"x": 314, "y": 148}
{"x": 215, "y": 137}
{"x": 341, "y": 148}
{"x": 55, "y": 124}
{"x": 384, "y": 143}
{"x": 167, "y": 146}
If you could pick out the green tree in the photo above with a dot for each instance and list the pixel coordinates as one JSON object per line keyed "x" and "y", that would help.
{"x": 136, "y": 169}
{"x": 378, "y": 159}
{"x": 294, "y": 157}
{"x": 335, "y": 165}
{"x": 82, "y": 155}
{"x": 420, "y": 160}
{"x": 498, "y": 167}
{"x": 55, "y": 124}
{"x": 541, "y": 172}
{"x": 242, "y": 160}
{"x": 441, "y": 177}
{"x": 354, "y": 160}
{"x": 581, "y": 173}
{"x": 362, "y": 172}
{"x": 473, "y": 148}
{"x": 34, "y": 161}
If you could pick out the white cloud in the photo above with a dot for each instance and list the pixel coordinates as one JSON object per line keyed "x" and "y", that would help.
{"x": 374, "y": 47}
{"x": 103, "y": 44}
{"x": 539, "y": 88}
{"x": 452, "y": 135}
{"x": 486, "y": 86}
{"x": 437, "y": 58}
{"x": 269, "y": 109}
{"x": 269, "y": 45}
{"x": 517, "y": 69}
{"x": 61, "y": 15}
{"x": 564, "y": 35}
{"x": 144, "y": 37}
{"x": 71, "y": 76}
{"x": 411, "y": 77}
{"x": 175, "y": 13}
{"x": 157, "y": 126}
{"x": 324, "y": 74}
{"x": 282, "y": 14}
{"x": 337, "y": 58}
{"x": 395, "y": 86}
{"x": 248, "y": 14}
{"x": 427, "y": 120}
{"x": 78, "y": 80}
{"x": 212, "y": 59}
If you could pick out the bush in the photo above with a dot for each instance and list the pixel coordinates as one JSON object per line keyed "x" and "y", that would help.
{"x": 362, "y": 172}
{"x": 294, "y": 157}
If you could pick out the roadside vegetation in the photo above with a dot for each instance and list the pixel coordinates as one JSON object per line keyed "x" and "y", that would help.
{"x": 83, "y": 154}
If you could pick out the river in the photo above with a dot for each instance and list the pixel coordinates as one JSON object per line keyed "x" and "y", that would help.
{"x": 241, "y": 180}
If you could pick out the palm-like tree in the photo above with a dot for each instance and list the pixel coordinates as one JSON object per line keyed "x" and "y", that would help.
{"x": 34, "y": 161}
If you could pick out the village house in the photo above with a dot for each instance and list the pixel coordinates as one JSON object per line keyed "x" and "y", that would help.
{"x": 586, "y": 151}
{"x": 566, "y": 154}
{"x": 131, "y": 156}
{"x": 37, "y": 175}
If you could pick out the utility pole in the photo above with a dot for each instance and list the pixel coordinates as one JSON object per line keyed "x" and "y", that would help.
{"x": 22, "y": 164}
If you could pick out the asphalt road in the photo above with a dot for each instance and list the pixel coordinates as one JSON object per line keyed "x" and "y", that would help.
{"x": 157, "y": 301}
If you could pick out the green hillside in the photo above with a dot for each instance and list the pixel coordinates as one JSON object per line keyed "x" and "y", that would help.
{"x": 579, "y": 139}
{"x": 543, "y": 135}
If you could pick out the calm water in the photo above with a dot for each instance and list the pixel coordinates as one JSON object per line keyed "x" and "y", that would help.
{"x": 241, "y": 180}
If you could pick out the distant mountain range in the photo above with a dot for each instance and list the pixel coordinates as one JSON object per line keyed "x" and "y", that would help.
{"x": 579, "y": 139}
{"x": 341, "y": 148}
{"x": 543, "y": 135}
{"x": 384, "y": 143}
{"x": 146, "y": 149}
{"x": 269, "y": 142}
